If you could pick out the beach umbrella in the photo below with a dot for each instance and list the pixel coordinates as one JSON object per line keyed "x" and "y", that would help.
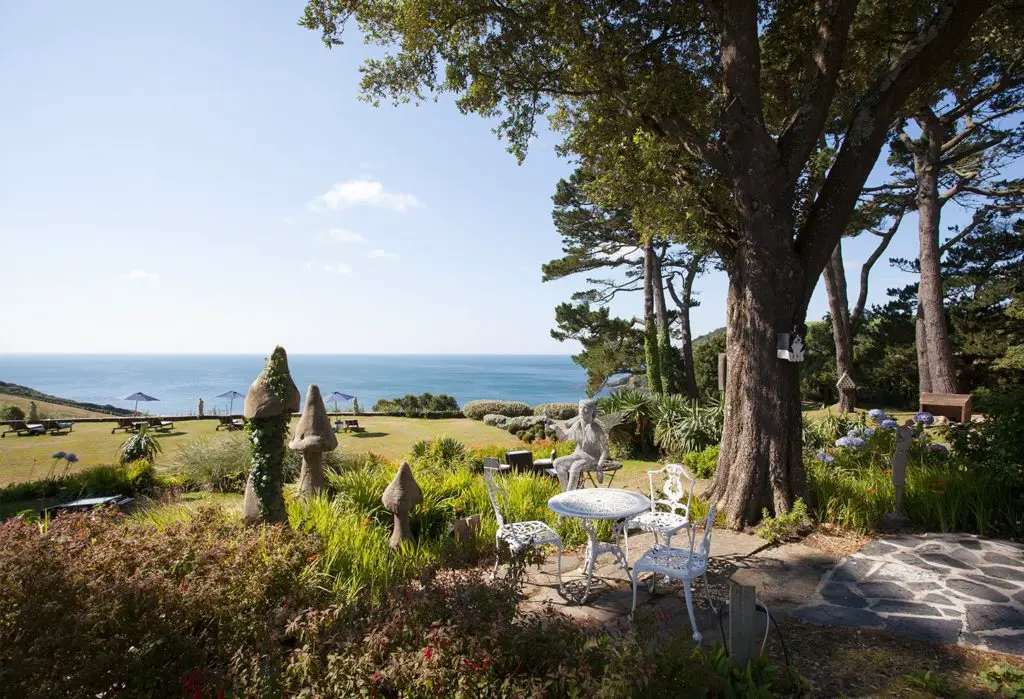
{"x": 232, "y": 395}
{"x": 137, "y": 397}
{"x": 336, "y": 397}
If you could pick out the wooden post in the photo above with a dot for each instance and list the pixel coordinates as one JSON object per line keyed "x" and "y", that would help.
{"x": 721, "y": 372}
{"x": 742, "y": 623}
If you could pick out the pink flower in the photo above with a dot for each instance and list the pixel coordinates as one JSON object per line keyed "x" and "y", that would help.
{"x": 428, "y": 652}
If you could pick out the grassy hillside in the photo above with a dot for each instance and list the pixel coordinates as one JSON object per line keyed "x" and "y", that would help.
{"x": 10, "y": 391}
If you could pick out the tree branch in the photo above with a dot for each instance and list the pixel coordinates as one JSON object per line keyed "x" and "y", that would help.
{"x": 976, "y": 221}
{"x": 872, "y": 116}
{"x": 801, "y": 132}
{"x": 865, "y": 272}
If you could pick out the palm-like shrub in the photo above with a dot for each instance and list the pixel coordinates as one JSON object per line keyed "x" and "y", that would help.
{"x": 634, "y": 411}
{"x": 141, "y": 446}
{"x": 683, "y": 426}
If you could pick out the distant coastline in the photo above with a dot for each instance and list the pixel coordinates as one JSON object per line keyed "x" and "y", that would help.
{"x": 179, "y": 381}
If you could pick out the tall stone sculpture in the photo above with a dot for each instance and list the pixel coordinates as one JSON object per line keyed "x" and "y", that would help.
{"x": 313, "y": 436}
{"x": 33, "y": 412}
{"x": 399, "y": 498}
{"x": 269, "y": 405}
{"x": 591, "y": 447}
{"x": 904, "y": 436}
{"x": 200, "y": 407}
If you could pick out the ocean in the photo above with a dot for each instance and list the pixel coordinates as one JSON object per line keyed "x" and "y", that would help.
{"x": 179, "y": 381}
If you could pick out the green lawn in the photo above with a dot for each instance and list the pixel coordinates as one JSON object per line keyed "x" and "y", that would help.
{"x": 29, "y": 458}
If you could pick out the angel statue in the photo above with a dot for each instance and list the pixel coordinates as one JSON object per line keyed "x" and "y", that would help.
{"x": 591, "y": 436}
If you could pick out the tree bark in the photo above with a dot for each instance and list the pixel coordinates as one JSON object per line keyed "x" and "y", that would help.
{"x": 924, "y": 374}
{"x": 760, "y": 464}
{"x": 666, "y": 355}
{"x": 842, "y": 332}
{"x": 651, "y": 350}
{"x": 937, "y": 348}
{"x": 685, "y": 331}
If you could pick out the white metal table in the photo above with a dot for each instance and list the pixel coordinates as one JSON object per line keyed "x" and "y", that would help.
{"x": 592, "y": 504}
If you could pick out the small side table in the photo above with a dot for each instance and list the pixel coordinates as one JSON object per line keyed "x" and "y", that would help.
{"x": 595, "y": 504}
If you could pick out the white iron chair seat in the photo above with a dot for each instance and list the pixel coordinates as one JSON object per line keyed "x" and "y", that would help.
{"x": 676, "y": 563}
{"x": 660, "y": 522}
{"x": 519, "y": 535}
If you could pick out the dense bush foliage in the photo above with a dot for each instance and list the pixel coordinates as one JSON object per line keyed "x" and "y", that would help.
{"x": 705, "y": 363}
{"x": 138, "y": 478}
{"x": 413, "y": 406}
{"x": 91, "y": 605}
{"x": 141, "y": 446}
{"x": 11, "y": 412}
{"x": 702, "y": 464}
{"x": 476, "y": 409}
{"x": 557, "y": 411}
{"x": 670, "y": 422}
{"x": 851, "y": 485}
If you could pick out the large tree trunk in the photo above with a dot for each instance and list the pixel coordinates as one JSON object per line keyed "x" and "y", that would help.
{"x": 760, "y": 464}
{"x": 842, "y": 330}
{"x": 685, "y": 332}
{"x": 666, "y": 354}
{"x": 929, "y": 301}
{"x": 651, "y": 350}
{"x": 924, "y": 373}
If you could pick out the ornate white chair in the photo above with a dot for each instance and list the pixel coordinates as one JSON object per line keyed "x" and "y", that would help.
{"x": 685, "y": 565}
{"x": 668, "y": 514}
{"x": 518, "y": 535}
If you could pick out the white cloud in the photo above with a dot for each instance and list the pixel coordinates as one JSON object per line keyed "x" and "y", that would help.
{"x": 340, "y": 268}
{"x": 343, "y": 236}
{"x": 309, "y": 265}
{"x": 344, "y": 195}
{"x": 141, "y": 275}
{"x": 288, "y": 220}
{"x": 382, "y": 253}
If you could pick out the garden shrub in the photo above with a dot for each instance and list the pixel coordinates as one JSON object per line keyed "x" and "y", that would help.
{"x": 851, "y": 486}
{"x": 137, "y": 478}
{"x": 11, "y": 412}
{"x": 557, "y": 411}
{"x": 476, "y": 409}
{"x": 220, "y": 464}
{"x": 413, "y": 406}
{"x": 495, "y": 420}
{"x": 784, "y": 525}
{"x": 702, "y": 464}
{"x": 681, "y": 425}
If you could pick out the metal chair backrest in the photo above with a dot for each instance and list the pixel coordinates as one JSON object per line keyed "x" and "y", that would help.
{"x": 497, "y": 494}
{"x": 673, "y": 489}
{"x": 700, "y": 546}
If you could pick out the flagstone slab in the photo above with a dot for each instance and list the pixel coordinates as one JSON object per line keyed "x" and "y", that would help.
{"x": 936, "y": 587}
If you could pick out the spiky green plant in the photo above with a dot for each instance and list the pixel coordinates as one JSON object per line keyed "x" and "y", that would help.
{"x": 683, "y": 426}
{"x": 141, "y": 446}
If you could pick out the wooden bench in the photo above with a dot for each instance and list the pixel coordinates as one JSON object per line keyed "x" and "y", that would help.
{"x": 955, "y": 406}
{"x": 348, "y": 426}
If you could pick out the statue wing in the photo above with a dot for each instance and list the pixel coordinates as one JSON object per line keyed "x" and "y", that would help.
{"x": 610, "y": 421}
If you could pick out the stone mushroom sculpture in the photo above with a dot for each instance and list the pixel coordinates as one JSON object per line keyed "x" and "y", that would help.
{"x": 399, "y": 498}
{"x": 269, "y": 405}
{"x": 313, "y": 436}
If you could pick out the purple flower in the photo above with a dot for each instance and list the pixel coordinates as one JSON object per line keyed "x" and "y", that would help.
{"x": 869, "y": 431}
{"x": 71, "y": 458}
{"x": 59, "y": 455}
{"x": 938, "y": 448}
{"x": 888, "y": 424}
{"x": 827, "y": 458}
{"x": 877, "y": 415}
{"x": 853, "y": 433}
{"x": 923, "y": 418}
{"x": 855, "y": 442}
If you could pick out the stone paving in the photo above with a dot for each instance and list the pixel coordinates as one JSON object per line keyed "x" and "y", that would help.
{"x": 945, "y": 588}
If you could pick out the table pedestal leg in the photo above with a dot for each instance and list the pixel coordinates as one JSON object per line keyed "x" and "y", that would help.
{"x": 595, "y": 548}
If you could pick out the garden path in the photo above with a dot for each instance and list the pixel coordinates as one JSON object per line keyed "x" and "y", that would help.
{"x": 946, "y": 588}
{"x": 943, "y": 588}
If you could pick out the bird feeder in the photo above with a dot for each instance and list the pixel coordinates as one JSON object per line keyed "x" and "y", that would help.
{"x": 845, "y": 383}
{"x": 790, "y": 347}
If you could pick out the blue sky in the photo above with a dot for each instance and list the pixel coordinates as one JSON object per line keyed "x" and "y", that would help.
{"x": 200, "y": 177}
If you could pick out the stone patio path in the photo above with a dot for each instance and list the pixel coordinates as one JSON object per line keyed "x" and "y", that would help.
{"x": 936, "y": 587}
{"x": 943, "y": 588}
